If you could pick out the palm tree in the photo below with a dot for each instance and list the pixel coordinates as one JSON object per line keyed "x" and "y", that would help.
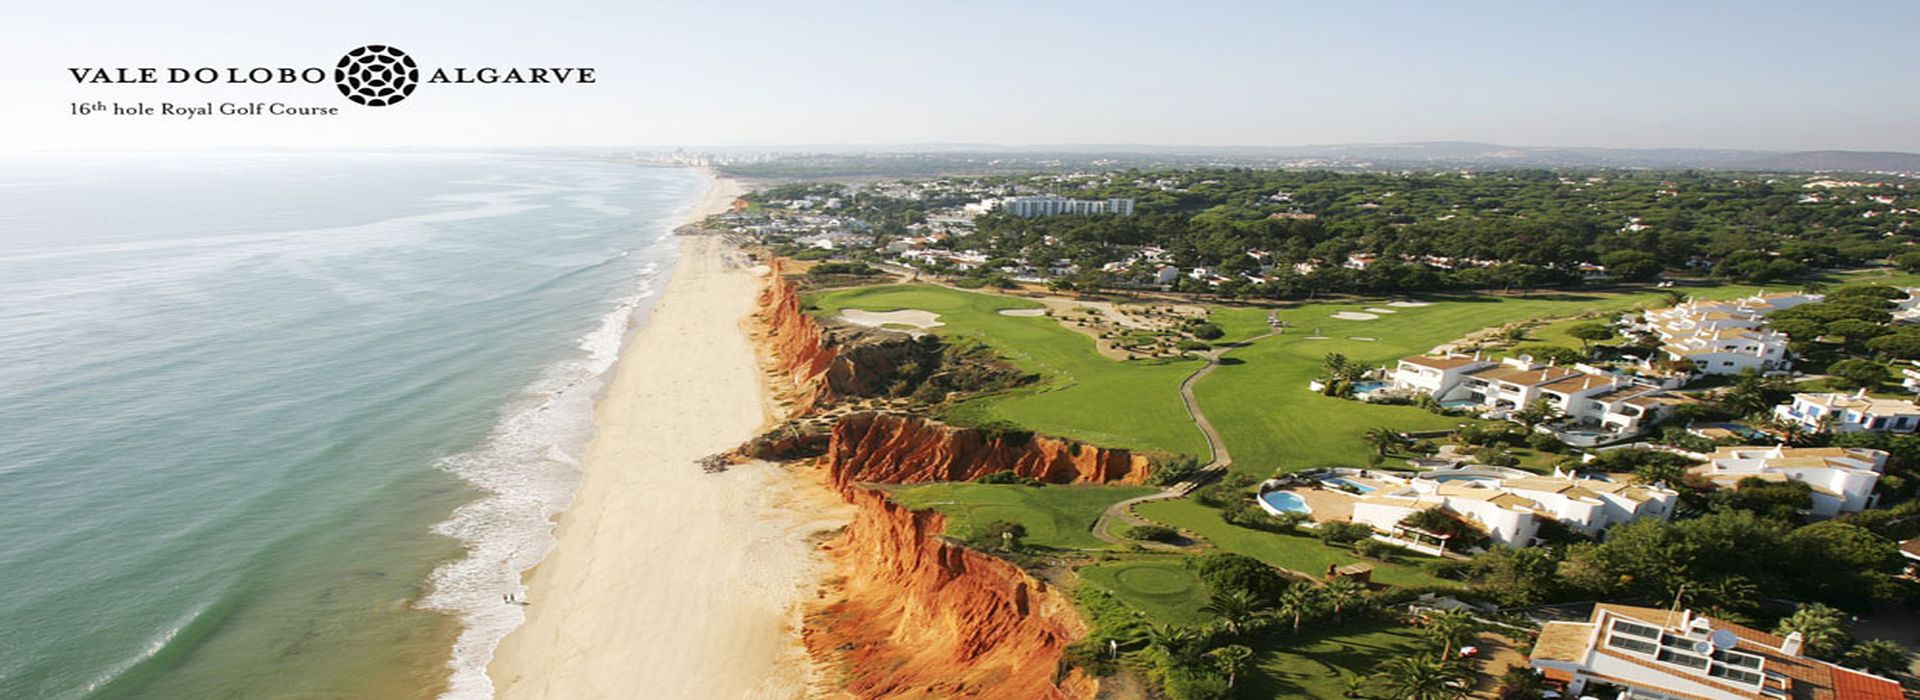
{"x": 1533, "y": 414}
{"x": 1415, "y": 678}
{"x": 1342, "y": 593}
{"x": 1169, "y": 639}
{"x": 1335, "y": 364}
{"x": 1449, "y": 630}
{"x": 1382, "y": 439}
{"x": 1819, "y": 627}
{"x": 1298, "y": 602}
{"x": 1235, "y": 609}
{"x": 1231, "y": 660}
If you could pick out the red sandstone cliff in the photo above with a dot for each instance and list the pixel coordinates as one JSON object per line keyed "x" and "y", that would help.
{"x": 926, "y": 618}
{"x": 896, "y": 449}
{"x": 798, "y": 345}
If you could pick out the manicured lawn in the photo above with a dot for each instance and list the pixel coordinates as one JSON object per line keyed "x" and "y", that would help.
{"x": 1059, "y": 517}
{"x": 1260, "y": 403}
{"x": 1083, "y": 395}
{"x": 1161, "y": 587}
{"x": 1316, "y": 663}
{"x": 1300, "y": 553}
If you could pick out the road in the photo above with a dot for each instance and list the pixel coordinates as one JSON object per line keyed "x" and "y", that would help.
{"x": 1213, "y": 469}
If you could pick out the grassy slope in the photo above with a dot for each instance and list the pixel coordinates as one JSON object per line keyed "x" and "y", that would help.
{"x": 1083, "y": 394}
{"x": 1059, "y": 517}
{"x": 1300, "y": 553}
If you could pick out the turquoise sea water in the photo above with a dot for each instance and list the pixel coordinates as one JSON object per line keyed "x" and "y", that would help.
{"x": 277, "y": 426}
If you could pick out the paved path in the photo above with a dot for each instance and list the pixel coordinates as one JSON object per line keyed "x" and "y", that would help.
{"x": 1123, "y": 511}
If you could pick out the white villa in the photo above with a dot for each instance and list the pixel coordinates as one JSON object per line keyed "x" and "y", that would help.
{"x": 1842, "y": 478}
{"x": 1597, "y": 407}
{"x": 1725, "y": 337}
{"x": 1846, "y": 413}
{"x": 1653, "y": 653}
{"x": 1509, "y": 504}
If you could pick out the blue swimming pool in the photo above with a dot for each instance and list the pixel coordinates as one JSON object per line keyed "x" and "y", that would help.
{"x": 1355, "y": 485}
{"x": 1286, "y": 502}
{"x": 1369, "y": 386}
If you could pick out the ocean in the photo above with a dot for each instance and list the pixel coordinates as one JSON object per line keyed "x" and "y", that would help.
{"x": 290, "y": 425}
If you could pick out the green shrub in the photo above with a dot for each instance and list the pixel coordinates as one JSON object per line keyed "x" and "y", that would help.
{"x": 1226, "y": 572}
{"x": 1343, "y": 532}
{"x": 1007, "y": 477}
{"x": 1206, "y": 330}
{"x": 1155, "y": 533}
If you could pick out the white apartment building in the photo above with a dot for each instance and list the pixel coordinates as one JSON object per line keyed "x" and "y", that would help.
{"x": 1596, "y": 407}
{"x": 1056, "y": 205}
{"x": 1724, "y": 337}
{"x": 1657, "y": 654}
{"x": 1510, "y": 507}
{"x": 1846, "y": 413}
{"x": 1842, "y": 478}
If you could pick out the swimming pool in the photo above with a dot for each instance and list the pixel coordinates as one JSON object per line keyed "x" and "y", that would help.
{"x": 1285, "y": 502}
{"x": 1369, "y": 386}
{"x": 1355, "y": 485}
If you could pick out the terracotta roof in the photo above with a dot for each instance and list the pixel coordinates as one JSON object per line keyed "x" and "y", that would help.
{"x": 1853, "y": 685}
{"x": 1563, "y": 641}
{"x": 1527, "y": 377}
{"x": 1577, "y": 383}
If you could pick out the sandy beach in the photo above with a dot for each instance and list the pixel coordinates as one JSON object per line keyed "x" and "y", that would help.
{"x": 668, "y": 582}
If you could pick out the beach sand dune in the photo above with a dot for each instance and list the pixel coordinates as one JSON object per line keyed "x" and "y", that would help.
{"x": 668, "y": 582}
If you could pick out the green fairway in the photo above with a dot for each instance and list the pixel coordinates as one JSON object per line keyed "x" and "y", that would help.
{"x": 1058, "y": 517}
{"x": 1302, "y": 553}
{"x": 1083, "y": 395}
{"x": 1161, "y": 587}
{"x": 1259, "y": 399}
{"x": 1317, "y": 663}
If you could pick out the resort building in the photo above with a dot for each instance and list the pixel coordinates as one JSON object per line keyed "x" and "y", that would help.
{"x": 1596, "y": 407}
{"x": 1724, "y": 337}
{"x": 1509, "y": 504}
{"x": 1633, "y": 652}
{"x": 1846, "y": 413}
{"x": 1842, "y": 478}
{"x": 1056, "y": 205}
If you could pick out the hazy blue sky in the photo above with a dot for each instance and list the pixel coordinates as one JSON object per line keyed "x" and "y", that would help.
{"x": 1770, "y": 75}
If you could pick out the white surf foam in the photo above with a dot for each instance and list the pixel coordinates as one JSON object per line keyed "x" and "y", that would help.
{"x": 529, "y": 469}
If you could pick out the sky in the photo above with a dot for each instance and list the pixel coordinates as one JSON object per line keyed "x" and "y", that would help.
{"x": 1622, "y": 73}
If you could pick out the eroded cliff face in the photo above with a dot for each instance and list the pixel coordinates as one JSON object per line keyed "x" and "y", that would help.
{"x": 799, "y": 345}
{"x": 925, "y": 618}
{"x": 897, "y": 449}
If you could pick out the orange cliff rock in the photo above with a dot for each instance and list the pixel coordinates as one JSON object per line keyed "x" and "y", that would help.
{"x": 897, "y": 449}
{"x": 800, "y": 349}
{"x": 925, "y": 618}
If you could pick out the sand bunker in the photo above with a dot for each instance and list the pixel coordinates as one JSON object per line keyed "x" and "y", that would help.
{"x": 1378, "y": 310}
{"x": 1361, "y": 337}
{"x": 1409, "y": 304}
{"x": 1355, "y": 316}
{"x": 1316, "y": 337}
{"x": 1023, "y": 312}
{"x": 911, "y": 318}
